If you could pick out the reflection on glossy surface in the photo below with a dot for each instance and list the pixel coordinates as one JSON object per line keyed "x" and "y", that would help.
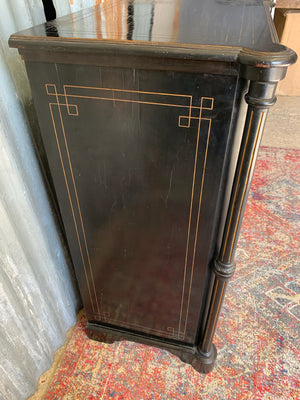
{"x": 51, "y": 30}
{"x": 242, "y": 23}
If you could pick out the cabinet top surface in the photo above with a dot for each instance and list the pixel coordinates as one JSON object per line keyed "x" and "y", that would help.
{"x": 158, "y": 24}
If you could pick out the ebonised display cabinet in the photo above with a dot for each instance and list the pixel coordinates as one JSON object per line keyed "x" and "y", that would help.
{"x": 151, "y": 114}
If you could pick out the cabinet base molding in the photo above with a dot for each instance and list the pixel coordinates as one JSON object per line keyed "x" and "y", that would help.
{"x": 201, "y": 362}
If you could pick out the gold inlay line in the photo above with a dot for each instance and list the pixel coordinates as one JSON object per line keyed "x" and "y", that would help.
{"x": 77, "y": 201}
{"x": 210, "y": 309}
{"x": 71, "y": 204}
{"x": 247, "y": 180}
{"x": 129, "y": 91}
{"x": 135, "y": 101}
{"x": 75, "y": 191}
{"x": 197, "y": 226}
{"x": 114, "y": 99}
{"x": 219, "y": 305}
{"x": 189, "y": 224}
{"x": 237, "y": 185}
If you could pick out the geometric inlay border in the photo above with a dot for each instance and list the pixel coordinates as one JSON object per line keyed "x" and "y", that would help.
{"x": 192, "y": 112}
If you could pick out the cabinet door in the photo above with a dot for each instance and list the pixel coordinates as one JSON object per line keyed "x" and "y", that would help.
{"x": 137, "y": 159}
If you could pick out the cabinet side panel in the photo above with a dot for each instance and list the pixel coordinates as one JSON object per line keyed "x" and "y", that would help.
{"x": 136, "y": 158}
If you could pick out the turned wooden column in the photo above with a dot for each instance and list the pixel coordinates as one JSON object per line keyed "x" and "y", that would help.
{"x": 259, "y": 98}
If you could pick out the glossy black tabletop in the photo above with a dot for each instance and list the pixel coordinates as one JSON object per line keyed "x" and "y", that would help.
{"x": 221, "y": 26}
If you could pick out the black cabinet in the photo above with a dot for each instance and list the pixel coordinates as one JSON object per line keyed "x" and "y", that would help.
{"x": 151, "y": 149}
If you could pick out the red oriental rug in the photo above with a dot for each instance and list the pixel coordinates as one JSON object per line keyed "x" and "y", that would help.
{"x": 258, "y": 331}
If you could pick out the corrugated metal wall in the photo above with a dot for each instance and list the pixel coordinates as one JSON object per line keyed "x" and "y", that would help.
{"x": 38, "y": 299}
